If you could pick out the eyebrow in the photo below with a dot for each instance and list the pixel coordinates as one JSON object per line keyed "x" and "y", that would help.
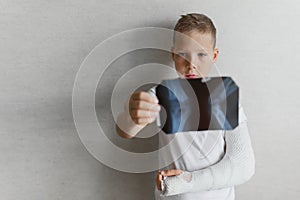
{"x": 200, "y": 50}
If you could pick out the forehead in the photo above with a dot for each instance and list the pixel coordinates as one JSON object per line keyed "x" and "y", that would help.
{"x": 194, "y": 40}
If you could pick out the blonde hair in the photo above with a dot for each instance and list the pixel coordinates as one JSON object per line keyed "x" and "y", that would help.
{"x": 198, "y": 22}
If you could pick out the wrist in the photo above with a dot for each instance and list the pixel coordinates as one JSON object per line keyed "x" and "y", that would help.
{"x": 127, "y": 125}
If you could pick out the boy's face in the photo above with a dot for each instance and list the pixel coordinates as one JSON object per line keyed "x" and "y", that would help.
{"x": 194, "y": 55}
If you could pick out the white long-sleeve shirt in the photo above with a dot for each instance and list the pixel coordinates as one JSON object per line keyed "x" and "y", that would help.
{"x": 191, "y": 151}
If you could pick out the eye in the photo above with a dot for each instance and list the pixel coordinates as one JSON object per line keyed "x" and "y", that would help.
{"x": 201, "y": 54}
{"x": 182, "y": 54}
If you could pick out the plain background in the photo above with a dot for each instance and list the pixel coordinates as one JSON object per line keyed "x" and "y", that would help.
{"x": 42, "y": 44}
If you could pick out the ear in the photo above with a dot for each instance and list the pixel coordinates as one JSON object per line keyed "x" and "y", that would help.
{"x": 216, "y": 54}
{"x": 173, "y": 54}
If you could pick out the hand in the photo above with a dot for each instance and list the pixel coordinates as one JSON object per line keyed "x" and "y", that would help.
{"x": 160, "y": 174}
{"x": 143, "y": 108}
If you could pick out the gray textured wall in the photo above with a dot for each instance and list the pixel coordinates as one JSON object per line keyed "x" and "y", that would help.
{"x": 42, "y": 44}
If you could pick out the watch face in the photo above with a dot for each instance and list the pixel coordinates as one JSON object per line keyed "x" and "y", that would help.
{"x": 197, "y": 105}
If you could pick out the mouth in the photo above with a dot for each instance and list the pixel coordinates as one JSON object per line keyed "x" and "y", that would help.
{"x": 190, "y": 76}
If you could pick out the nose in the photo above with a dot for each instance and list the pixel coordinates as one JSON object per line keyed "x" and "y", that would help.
{"x": 190, "y": 66}
{"x": 191, "y": 63}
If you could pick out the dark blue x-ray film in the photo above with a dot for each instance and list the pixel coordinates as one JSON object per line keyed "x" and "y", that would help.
{"x": 200, "y": 104}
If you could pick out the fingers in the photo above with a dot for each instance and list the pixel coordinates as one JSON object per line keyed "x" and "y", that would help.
{"x": 161, "y": 174}
{"x": 171, "y": 172}
{"x": 143, "y": 108}
{"x": 144, "y": 105}
{"x": 146, "y": 120}
{"x": 145, "y": 96}
{"x": 158, "y": 181}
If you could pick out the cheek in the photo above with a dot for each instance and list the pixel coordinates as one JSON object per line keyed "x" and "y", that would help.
{"x": 179, "y": 65}
{"x": 178, "y": 68}
{"x": 205, "y": 67}
{"x": 207, "y": 61}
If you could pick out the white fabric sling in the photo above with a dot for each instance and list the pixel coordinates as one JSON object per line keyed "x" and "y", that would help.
{"x": 236, "y": 167}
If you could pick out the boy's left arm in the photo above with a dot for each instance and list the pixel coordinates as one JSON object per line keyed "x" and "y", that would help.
{"x": 236, "y": 167}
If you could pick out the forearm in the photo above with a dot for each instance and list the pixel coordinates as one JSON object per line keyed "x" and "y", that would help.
{"x": 126, "y": 127}
{"x": 236, "y": 167}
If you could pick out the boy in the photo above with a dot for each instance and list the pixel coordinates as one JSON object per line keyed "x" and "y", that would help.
{"x": 203, "y": 171}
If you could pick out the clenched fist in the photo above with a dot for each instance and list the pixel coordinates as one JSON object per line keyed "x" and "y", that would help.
{"x": 143, "y": 108}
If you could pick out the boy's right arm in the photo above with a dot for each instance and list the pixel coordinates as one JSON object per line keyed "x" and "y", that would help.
{"x": 141, "y": 109}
